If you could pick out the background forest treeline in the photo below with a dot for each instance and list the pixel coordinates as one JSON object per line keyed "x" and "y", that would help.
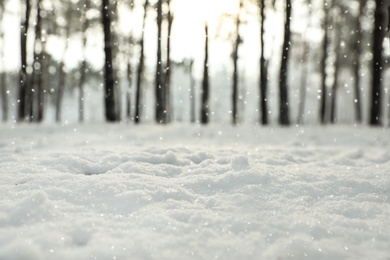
{"x": 331, "y": 58}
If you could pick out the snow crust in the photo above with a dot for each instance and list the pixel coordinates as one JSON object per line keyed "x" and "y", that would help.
{"x": 190, "y": 192}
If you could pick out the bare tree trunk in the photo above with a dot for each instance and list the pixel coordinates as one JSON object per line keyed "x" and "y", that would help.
{"x": 333, "y": 116}
{"x": 303, "y": 90}
{"x": 4, "y": 99}
{"x": 305, "y": 71}
{"x": 283, "y": 85}
{"x": 376, "y": 91}
{"x": 357, "y": 64}
{"x": 60, "y": 90}
{"x": 192, "y": 92}
{"x": 61, "y": 72}
{"x": 263, "y": 69}
{"x": 160, "y": 85}
{"x": 109, "y": 88}
{"x": 205, "y": 84}
{"x": 235, "y": 68}
{"x": 115, "y": 61}
{"x": 33, "y": 92}
{"x": 129, "y": 70}
{"x": 325, "y": 43}
{"x": 3, "y": 88}
{"x": 168, "y": 69}
{"x": 38, "y": 66}
{"x": 140, "y": 69}
{"x": 129, "y": 73}
{"x": 23, "y": 81}
{"x": 83, "y": 65}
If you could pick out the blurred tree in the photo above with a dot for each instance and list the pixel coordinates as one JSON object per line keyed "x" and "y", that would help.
{"x": 323, "y": 63}
{"x": 263, "y": 67}
{"x": 235, "y": 57}
{"x": 129, "y": 70}
{"x": 192, "y": 91}
{"x": 37, "y": 89}
{"x": 336, "y": 70}
{"x": 61, "y": 64}
{"x": 168, "y": 67}
{"x": 305, "y": 66}
{"x": 205, "y": 84}
{"x": 116, "y": 48}
{"x": 109, "y": 81}
{"x": 159, "y": 80}
{"x": 140, "y": 69}
{"x": 377, "y": 79}
{"x": 356, "y": 63}
{"x": 3, "y": 87}
{"x": 283, "y": 85}
{"x": 23, "y": 82}
{"x": 83, "y": 65}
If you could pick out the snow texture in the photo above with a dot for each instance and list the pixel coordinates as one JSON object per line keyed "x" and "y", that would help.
{"x": 189, "y": 192}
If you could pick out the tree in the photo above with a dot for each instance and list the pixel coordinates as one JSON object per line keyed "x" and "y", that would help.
{"x": 283, "y": 85}
{"x": 109, "y": 88}
{"x": 23, "y": 81}
{"x": 168, "y": 67}
{"x": 236, "y": 46}
{"x": 376, "y": 88}
{"x": 159, "y": 80}
{"x": 129, "y": 70}
{"x": 3, "y": 88}
{"x": 263, "y": 68}
{"x": 83, "y": 65}
{"x": 192, "y": 90}
{"x": 337, "y": 45}
{"x": 37, "y": 86}
{"x": 357, "y": 63}
{"x": 205, "y": 84}
{"x": 323, "y": 62}
{"x": 61, "y": 67}
{"x": 140, "y": 69}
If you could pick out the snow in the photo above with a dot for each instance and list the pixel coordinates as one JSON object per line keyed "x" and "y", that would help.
{"x": 190, "y": 192}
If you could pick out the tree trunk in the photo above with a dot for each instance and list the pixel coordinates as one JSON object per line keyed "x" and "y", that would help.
{"x": 333, "y": 110}
{"x": 23, "y": 81}
{"x": 302, "y": 92}
{"x": 235, "y": 68}
{"x": 140, "y": 69}
{"x": 376, "y": 91}
{"x": 109, "y": 88}
{"x": 168, "y": 68}
{"x": 4, "y": 99}
{"x": 61, "y": 72}
{"x": 192, "y": 92}
{"x": 3, "y": 88}
{"x": 263, "y": 69}
{"x": 305, "y": 70}
{"x": 38, "y": 68}
{"x": 60, "y": 90}
{"x": 83, "y": 65}
{"x": 160, "y": 86}
{"x": 129, "y": 69}
{"x": 283, "y": 85}
{"x": 357, "y": 64}
{"x": 324, "y": 58}
{"x": 205, "y": 84}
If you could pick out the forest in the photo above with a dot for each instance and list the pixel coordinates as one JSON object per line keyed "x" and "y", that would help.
{"x": 286, "y": 62}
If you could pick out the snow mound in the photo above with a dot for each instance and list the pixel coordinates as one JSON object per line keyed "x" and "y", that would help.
{"x": 187, "y": 192}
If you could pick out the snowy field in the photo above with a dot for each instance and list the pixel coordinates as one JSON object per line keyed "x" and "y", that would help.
{"x": 190, "y": 192}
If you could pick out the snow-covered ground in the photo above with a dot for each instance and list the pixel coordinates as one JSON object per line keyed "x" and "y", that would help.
{"x": 189, "y": 192}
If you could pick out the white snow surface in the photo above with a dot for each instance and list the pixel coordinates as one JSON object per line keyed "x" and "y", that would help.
{"x": 189, "y": 192}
